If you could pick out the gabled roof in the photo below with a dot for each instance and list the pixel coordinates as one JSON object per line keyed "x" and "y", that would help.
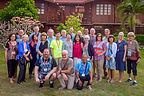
{"x": 69, "y": 1}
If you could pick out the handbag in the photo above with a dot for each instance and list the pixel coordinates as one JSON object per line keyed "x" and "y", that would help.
{"x": 22, "y": 60}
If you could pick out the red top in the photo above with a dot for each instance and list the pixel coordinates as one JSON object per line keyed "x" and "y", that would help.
{"x": 77, "y": 50}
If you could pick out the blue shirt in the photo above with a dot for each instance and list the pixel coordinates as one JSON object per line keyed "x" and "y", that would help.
{"x": 63, "y": 38}
{"x": 73, "y": 36}
{"x": 21, "y": 49}
{"x": 18, "y": 39}
{"x": 53, "y": 37}
{"x": 81, "y": 68}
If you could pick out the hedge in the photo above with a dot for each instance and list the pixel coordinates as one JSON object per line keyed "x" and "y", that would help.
{"x": 139, "y": 38}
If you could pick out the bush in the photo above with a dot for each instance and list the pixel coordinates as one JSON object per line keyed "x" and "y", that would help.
{"x": 61, "y": 27}
{"x": 74, "y": 21}
{"x": 140, "y": 38}
{"x": 20, "y": 8}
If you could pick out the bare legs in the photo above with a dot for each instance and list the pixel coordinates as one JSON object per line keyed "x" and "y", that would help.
{"x": 121, "y": 74}
{"x": 111, "y": 73}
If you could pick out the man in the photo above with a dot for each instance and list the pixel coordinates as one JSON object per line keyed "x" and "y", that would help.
{"x": 66, "y": 71}
{"x": 19, "y": 36}
{"x": 92, "y": 35}
{"x": 105, "y": 39}
{"x": 86, "y": 32}
{"x": 50, "y": 36}
{"x": 92, "y": 40}
{"x": 36, "y": 32}
{"x": 84, "y": 73}
{"x": 80, "y": 34}
{"x": 71, "y": 33}
{"x": 56, "y": 47}
{"x": 63, "y": 37}
{"x": 107, "y": 33}
{"x": 45, "y": 69}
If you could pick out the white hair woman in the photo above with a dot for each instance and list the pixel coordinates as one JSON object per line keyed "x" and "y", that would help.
{"x": 23, "y": 56}
{"x": 133, "y": 57}
{"x": 121, "y": 56}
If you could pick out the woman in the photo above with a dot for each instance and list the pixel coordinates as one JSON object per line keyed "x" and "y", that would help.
{"x": 77, "y": 50}
{"x": 99, "y": 48}
{"x": 88, "y": 47}
{"x": 133, "y": 57}
{"x": 23, "y": 56}
{"x": 121, "y": 56}
{"x": 10, "y": 56}
{"x": 33, "y": 44}
{"x": 68, "y": 45}
{"x": 110, "y": 58}
{"x": 42, "y": 44}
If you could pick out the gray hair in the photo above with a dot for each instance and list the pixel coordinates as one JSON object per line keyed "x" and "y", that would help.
{"x": 50, "y": 30}
{"x": 65, "y": 51}
{"x": 92, "y": 29}
{"x": 25, "y": 35}
{"x": 131, "y": 34}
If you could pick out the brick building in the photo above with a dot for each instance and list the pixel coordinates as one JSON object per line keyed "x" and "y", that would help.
{"x": 99, "y": 14}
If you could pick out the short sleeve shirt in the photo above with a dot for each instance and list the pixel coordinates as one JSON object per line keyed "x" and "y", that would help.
{"x": 99, "y": 48}
{"x": 81, "y": 68}
{"x": 12, "y": 50}
{"x": 48, "y": 64}
{"x": 57, "y": 48}
{"x": 69, "y": 64}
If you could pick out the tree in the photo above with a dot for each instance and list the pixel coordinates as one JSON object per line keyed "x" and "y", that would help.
{"x": 128, "y": 11}
{"x": 74, "y": 21}
{"x": 20, "y": 8}
{"x": 14, "y": 25}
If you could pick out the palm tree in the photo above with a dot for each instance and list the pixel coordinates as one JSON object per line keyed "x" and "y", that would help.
{"x": 128, "y": 11}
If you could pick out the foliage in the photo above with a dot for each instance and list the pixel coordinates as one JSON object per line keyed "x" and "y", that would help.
{"x": 128, "y": 11}
{"x": 74, "y": 21}
{"x": 61, "y": 27}
{"x": 15, "y": 24}
{"x": 140, "y": 38}
{"x": 20, "y": 8}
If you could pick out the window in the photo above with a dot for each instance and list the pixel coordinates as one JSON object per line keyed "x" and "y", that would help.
{"x": 40, "y": 6}
{"x": 103, "y": 9}
{"x": 79, "y": 9}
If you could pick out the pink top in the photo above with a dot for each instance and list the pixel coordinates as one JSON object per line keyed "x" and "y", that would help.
{"x": 77, "y": 50}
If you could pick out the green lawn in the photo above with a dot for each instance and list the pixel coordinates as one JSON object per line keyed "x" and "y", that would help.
{"x": 30, "y": 88}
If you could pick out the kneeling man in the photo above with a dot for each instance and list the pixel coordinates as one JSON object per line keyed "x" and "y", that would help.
{"x": 45, "y": 69}
{"x": 84, "y": 73}
{"x": 66, "y": 71}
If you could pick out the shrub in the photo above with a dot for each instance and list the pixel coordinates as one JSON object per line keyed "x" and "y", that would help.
{"x": 140, "y": 38}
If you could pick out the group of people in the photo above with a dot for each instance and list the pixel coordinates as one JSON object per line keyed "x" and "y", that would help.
{"x": 71, "y": 58}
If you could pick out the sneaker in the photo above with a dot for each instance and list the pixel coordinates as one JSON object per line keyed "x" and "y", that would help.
{"x": 134, "y": 84}
{"x": 51, "y": 84}
{"x": 129, "y": 80}
{"x": 61, "y": 88}
{"x": 41, "y": 85}
{"x": 89, "y": 87}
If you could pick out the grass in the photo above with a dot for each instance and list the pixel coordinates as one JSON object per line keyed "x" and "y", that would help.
{"x": 30, "y": 88}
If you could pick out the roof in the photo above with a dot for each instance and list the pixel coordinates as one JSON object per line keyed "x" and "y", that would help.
{"x": 69, "y": 1}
